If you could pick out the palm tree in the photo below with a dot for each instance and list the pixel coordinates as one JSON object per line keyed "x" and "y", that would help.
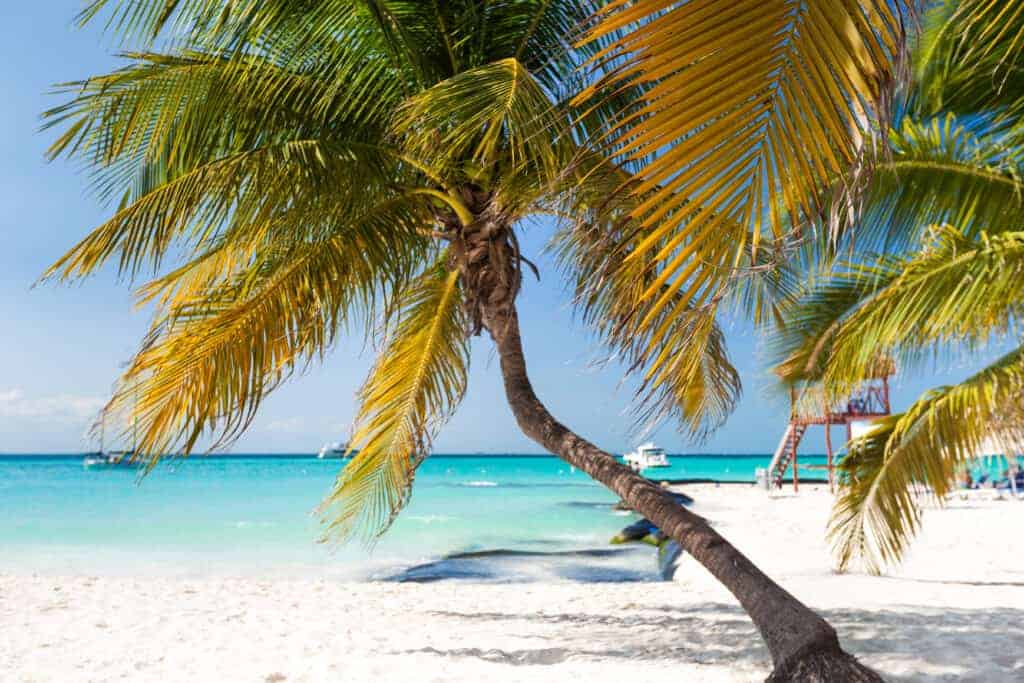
{"x": 935, "y": 264}
{"x": 318, "y": 167}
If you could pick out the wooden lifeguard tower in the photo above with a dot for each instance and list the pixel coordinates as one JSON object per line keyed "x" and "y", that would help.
{"x": 869, "y": 401}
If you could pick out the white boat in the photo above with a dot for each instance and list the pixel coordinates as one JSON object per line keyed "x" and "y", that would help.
{"x": 645, "y": 456}
{"x": 95, "y": 460}
{"x": 336, "y": 449}
{"x": 104, "y": 459}
{"x": 109, "y": 459}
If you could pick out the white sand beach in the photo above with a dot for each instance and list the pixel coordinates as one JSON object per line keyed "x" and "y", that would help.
{"x": 954, "y": 611}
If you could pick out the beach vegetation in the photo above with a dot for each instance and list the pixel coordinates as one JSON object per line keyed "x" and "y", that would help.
{"x": 286, "y": 175}
{"x": 930, "y": 269}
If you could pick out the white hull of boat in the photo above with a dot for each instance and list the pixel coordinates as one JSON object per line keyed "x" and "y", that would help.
{"x": 335, "y": 451}
{"x": 100, "y": 460}
{"x": 647, "y": 456}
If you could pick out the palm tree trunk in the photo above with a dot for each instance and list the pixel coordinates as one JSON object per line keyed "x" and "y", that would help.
{"x": 803, "y": 646}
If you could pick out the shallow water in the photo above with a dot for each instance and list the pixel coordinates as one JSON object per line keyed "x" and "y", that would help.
{"x": 256, "y": 515}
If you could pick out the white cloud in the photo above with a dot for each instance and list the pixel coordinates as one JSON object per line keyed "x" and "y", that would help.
{"x": 60, "y": 407}
{"x": 9, "y": 396}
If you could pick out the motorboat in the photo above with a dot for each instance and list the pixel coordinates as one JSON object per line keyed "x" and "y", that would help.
{"x": 645, "y": 456}
{"x": 335, "y": 450}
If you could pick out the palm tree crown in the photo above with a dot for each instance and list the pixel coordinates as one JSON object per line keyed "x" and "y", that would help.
{"x": 309, "y": 172}
{"x": 310, "y": 166}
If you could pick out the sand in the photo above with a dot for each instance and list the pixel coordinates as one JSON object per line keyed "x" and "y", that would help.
{"x": 953, "y": 611}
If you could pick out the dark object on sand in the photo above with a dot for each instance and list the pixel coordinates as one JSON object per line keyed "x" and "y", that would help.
{"x": 637, "y": 531}
{"x": 644, "y": 531}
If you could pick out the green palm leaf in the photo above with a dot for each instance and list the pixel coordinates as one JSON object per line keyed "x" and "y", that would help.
{"x": 201, "y": 147}
{"x": 933, "y": 173}
{"x": 251, "y": 189}
{"x": 918, "y": 453}
{"x": 801, "y": 342}
{"x": 470, "y": 121}
{"x": 417, "y": 383}
{"x": 969, "y": 60}
{"x": 955, "y": 290}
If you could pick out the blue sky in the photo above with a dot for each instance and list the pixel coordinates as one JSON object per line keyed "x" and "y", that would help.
{"x": 61, "y": 346}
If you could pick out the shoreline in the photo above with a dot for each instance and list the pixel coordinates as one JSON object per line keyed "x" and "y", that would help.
{"x": 951, "y": 612}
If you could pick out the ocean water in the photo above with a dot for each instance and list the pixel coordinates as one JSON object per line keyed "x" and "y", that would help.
{"x": 500, "y": 518}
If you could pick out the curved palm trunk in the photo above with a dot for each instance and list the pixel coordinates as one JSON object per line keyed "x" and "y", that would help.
{"x": 803, "y": 646}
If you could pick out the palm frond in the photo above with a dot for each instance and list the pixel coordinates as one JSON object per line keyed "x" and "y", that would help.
{"x": 687, "y": 372}
{"x": 918, "y": 453}
{"x": 470, "y": 121}
{"x": 250, "y": 188}
{"x": 418, "y": 381}
{"x": 212, "y": 356}
{"x": 955, "y": 290}
{"x": 144, "y": 21}
{"x": 194, "y": 143}
{"x": 935, "y": 172}
{"x": 398, "y": 224}
{"x": 751, "y": 110}
{"x": 801, "y": 341}
{"x": 970, "y": 60}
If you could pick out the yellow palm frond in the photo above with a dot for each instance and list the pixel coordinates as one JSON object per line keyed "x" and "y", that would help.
{"x": 919, "y": 453}
{"x": 682, "y": 361}
{"x": 212, "y": 357}
{"x": 416, "y": 384}
{"x": 249, "y": 188}
{"x": 751, "y": 110}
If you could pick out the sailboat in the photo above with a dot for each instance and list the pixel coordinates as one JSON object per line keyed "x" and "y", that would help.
{"x": 106, "y": 459}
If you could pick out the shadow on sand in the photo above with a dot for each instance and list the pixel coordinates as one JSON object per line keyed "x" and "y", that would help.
{"x": 601, "y": 565}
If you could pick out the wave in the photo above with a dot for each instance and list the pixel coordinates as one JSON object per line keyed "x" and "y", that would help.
{"x": 485, "y": 483}
{"x": 430, "y": 519}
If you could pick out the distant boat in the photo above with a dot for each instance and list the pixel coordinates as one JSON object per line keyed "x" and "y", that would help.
{"x": 103, "y": 459}
{"x": 645, "y": 456}
{"x": 333, "y": 450}
{"x": 109, "y": 459}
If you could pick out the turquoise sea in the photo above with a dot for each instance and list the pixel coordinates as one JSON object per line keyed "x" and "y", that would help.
{"x": 502, "y": 518}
